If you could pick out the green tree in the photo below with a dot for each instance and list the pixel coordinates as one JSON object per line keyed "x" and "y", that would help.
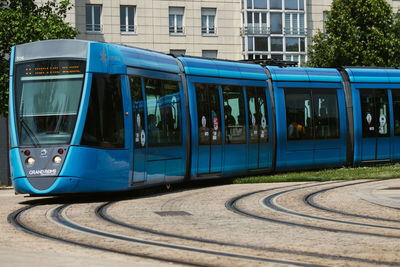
{"x": 358, "y": 33}
{"x": 22, "y": 21}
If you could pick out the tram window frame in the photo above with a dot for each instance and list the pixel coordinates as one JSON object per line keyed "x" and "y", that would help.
{"x": 158, "y": 119}
{"x": 294, "y": 126}
{"x": 239, "y": 129}
{"x": 104, "y": 128}
{"x": 396, "y": 111}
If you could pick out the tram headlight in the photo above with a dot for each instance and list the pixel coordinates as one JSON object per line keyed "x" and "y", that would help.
{"x": 30, "y": 161}
{"x": 57, "y": 159}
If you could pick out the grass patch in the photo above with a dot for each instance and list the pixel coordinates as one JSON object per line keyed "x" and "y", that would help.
{"x": 375, "y": 172}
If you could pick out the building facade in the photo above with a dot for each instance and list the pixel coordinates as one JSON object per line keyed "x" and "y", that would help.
{"x": 225, "y": 29}
{"x": 275, "y": 29}
{"x": 194, "y": 27}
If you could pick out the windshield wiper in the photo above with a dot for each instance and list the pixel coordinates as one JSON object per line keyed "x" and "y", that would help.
{"x": 28, "y": 130}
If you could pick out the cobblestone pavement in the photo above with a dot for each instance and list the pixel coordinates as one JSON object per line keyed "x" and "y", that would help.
{"x": 345, "y": 223}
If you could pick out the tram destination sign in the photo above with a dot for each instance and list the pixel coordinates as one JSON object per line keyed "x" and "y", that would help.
{"x": 50, "y": 68}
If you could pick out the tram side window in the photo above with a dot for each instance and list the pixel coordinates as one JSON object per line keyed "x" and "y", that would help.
{"x": 138, "y": 111}
{"x": 104, "y": 126}
{"x": 208, "y": 114}
{"x": 172, "y": 112}
{"x": 163, "y": 112}
{"x": 234, "y": 115}
{"x": 298, "y": 114}
{"x": 326, "y": 115}
{"x": 257, "y": 114}
{"x": 396, "y": 112}
{"x": 311, "y": 114}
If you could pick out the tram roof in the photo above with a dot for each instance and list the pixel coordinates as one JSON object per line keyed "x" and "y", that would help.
{"x": 373, "y": 75}
{"x": 51, "y": 49}
{"x": 222, "y": 68}
{"x": 102, "y": 57}
{"x": 295, "y": 74}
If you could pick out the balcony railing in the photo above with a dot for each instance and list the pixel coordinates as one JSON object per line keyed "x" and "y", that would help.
{"x": 94, "y": 27}
{"x": 294, "y": 31}
{"x": 209, "y": 31}
{"x": 255, "y": 30}
{"x": 176, "y": 30}
{"x": 260, "y": 30}
{"x": 128, "y": 29}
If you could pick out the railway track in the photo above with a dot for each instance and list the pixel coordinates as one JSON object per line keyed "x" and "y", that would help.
{"x": 90, "y": 225}
{"x": 270, "y": 202}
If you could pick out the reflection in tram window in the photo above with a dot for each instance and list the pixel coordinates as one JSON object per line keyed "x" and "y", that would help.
{"x": 104, "y": 126}
{"x": 326, "y": 115}
{"x": 234, "y": 115}
{"x": 368, "y": 115}
{"x": 208, "y": 114}
{"x": 258, "y": 119}
{"x": 138, "y": 111}
{"x": 383, "y": 115}
{"x": 312, "y": 114}
{"x": 375, "y": 113}
{"x": 396, "y": 112}
{"x": 163, "y": 112}
{"x": 298, "y": 114}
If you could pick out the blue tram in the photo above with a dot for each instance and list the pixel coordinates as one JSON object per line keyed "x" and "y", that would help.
{"x": 92, "y": 117}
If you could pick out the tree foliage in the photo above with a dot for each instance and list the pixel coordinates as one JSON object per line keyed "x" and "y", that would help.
{"x": 358, "y": 33}
{"x": 22, "y": 21}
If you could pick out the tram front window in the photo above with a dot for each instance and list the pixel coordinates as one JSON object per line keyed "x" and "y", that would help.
{"x": 47, "y": 101}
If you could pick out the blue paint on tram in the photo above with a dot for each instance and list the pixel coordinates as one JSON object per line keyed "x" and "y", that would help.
{"x": 93, "y": 117}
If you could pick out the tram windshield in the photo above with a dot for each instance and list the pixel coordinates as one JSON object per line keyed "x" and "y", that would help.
{"x": 47, "y": 100}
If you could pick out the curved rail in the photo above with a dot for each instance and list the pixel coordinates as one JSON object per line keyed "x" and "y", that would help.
{"x": 232, "y": 206}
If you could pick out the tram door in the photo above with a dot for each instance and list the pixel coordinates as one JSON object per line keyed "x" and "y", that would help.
{"x": 209, "y": 129}
{"x": 258, "y": 128}
{"x": 139, "y": 133}
{"x": 375, "y": 125}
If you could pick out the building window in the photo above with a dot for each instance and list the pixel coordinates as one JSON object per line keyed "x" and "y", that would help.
{"x": 294, "y": 4}
{"x": 127, "y": 17}
{"x": 292, "y": 44}
{"x": 294, "y": 23}
{"x": 93, "y": 15}
{"x": 257, "y": 4}
{"x": 257, "y": 23}
{"x": 177, "y": 52}
{"x": 275, "y": 4}
{"x": 208, "y": 20}
{"x": 324, "y": 20}
{"x": 258, "y": 44}
{"x": 276, "y": 23}
{"x": 276, "y": 44}
{"x": 209, "y": 53}
{"x": 261, "y": 43}
{"x": 277, "y": 56}
{"x": 176, "y": 20}
{"x": 260, "y": 4}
